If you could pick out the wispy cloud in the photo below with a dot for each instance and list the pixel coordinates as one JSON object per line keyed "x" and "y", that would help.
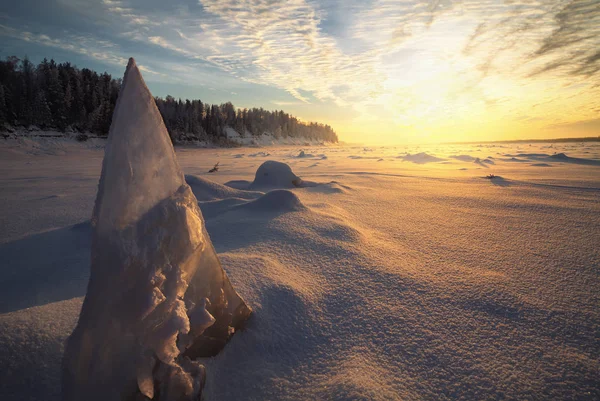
{"x": 98, "y": 49}
{"x": 128, "y": 14}
{"x": 280, "y": 43}
{"x": 101, "y": 50}
{"x": 406, "y": 62}
{"x": 538, "y": 37}
{"x": 285, "y": 103}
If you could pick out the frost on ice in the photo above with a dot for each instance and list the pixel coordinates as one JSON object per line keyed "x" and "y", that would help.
{"x": 158, "y": 297}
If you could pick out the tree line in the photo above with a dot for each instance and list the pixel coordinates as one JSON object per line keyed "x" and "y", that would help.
{"x": 63, "y": 97}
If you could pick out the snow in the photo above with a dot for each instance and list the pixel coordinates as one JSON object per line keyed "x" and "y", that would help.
{"x": 206, "y": 190}
{"x": 232, "y": 134}
{"x": 390, "y": 280}
{"x": 157, "y": 290}
{"x": 274, "y": 174}
{"x": 276, "y": 201}
{"x": 421, "y": 158}
{"x": 266, "y": 139}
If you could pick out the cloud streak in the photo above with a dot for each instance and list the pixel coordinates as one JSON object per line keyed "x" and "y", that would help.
{"x": 280, "y": 43}
{"x": 410, "y": 63}
{"x": 97, "y": 49}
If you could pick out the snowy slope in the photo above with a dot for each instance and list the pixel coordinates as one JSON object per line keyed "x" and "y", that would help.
{"x": 57, "y": 142}
{"x": 394, "y": 278}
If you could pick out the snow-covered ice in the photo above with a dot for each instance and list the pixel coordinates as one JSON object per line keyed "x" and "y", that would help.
{"x": 389, "y": 280}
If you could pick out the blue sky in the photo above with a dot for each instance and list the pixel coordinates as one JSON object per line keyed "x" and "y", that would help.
{"x": 383, "y": 70}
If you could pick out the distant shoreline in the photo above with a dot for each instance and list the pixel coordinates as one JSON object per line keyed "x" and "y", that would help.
{"x": 555, "y": 140}
{"x": 250, "y": 142}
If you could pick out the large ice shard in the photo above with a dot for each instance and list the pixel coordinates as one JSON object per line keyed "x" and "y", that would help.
{"x": 157, "y": 297}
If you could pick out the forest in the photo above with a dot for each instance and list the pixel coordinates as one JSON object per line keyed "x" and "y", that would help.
{"x": 62, "y": 97}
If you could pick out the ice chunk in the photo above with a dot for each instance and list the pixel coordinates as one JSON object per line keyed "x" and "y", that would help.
{"x": 157, "y": 290}
{"x": 145, "y": 379}
{"x": 200, "y": 318}
{"x": 139, "y": 167}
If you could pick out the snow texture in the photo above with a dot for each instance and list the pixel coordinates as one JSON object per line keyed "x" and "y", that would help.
{"x": 157, "y": 293}
{"x": 206, "y": 190}
{"x": 394, "y": 281}
{"x": 274, "y": 174}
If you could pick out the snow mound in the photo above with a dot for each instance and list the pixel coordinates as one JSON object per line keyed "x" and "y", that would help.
{"x": 238, "y": 184}
{"x": 523, "y": 154}
{"x": 158, "y": 297}
{"x": 206, "y": 190}
{"x": 484, "y": 162}
{"x": 29, "y": 280}
{"x": 303, "y": 154}
{"x": 259, "y": 154}
{"x": 273, "y": 174}
{"x": 464, "y": 158}
{"x": 31, "y": 347}
{"x": 516, "y": 160}
{"x": 420, "y": 158}
{"x": 356, "y": 157}
{"x": 562, "y": 157}
{"x": 214, "y": 208}
{"x": 277, "y": 201}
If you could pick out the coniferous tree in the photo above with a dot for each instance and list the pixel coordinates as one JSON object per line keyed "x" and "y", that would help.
{"x": 41, "y": 111}
{"x": 3, "y": 116}
{"x": 58, "y": 96}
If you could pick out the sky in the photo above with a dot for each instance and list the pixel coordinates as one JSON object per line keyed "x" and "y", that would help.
{"x": 377, "y": 71}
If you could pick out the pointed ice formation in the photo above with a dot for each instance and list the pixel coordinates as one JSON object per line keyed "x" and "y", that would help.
{"x": 157, "y": 297}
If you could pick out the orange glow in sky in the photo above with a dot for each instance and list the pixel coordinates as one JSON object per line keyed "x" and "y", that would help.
{"x": 382, "y": 71}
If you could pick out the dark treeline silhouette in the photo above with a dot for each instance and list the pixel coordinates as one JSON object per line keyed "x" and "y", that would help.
{"x": 63, "y": 97}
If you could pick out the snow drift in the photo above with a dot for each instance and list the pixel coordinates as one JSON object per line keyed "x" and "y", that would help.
{"x": 275, "y": 175}
{"x": 206, "y": 190}
{"x": 279, "y": 200}
{"x": 417, "y": 281}
{"x": 157, "y": 297}
{"x": 420, "y": 158}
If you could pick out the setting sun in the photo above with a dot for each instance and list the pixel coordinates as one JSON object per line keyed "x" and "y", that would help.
{"x": 382, "y": 72}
